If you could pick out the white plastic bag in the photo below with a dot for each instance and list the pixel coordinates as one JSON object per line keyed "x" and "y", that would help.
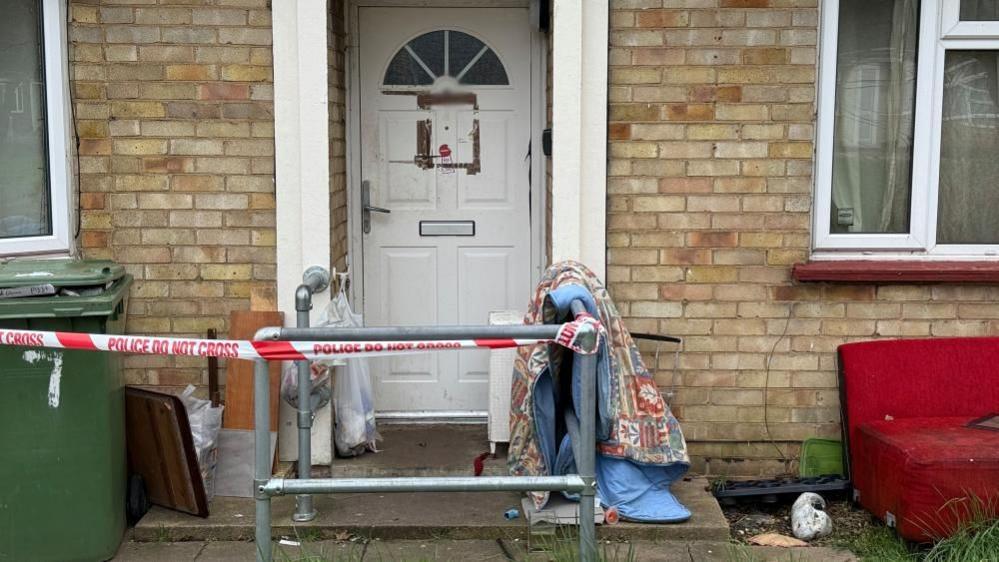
{"x": 354, "y": 429}
{"x": 206, "y": 422}
{"x": 337, "y": 314}
{"x": 321, "y": 373}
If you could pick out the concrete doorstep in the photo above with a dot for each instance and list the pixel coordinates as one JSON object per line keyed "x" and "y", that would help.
{"x": 415, "y": 516}
{"x": 404, "y": 527}
{"x": 418, "y": 450}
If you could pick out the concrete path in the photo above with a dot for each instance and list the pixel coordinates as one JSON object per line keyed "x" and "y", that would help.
{"x": 462, "y": 550}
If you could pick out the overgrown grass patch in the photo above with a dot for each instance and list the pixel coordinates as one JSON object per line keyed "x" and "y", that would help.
{"x": 977, "y": 541}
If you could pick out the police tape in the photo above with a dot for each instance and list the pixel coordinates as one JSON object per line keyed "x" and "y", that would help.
{"x": 577, "y": 335}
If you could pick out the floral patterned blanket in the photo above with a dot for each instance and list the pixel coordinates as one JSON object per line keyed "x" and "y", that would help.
{"x": 641, "y": 427}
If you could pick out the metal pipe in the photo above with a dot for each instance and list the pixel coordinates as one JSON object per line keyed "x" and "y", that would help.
{"x": 586, "y": 456}
{"x": 280, "y": 487}
{"x": 403, "y": 333}
{"x": 262, "y": 457}
{"x": 304, "y": 510}
{"x": 265, "y": 487}
{"x": 314, "y": 279}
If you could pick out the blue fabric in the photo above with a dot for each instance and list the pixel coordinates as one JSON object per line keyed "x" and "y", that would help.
{"x": 562, "y": 298}
{"x": 565, "y": 463}
{"x": 639, "y": 492}
{"x": 544, "y": 416}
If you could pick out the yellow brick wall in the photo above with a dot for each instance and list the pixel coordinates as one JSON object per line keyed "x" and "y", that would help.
{"x": 711, "y": 129}
{"x": 173, "y": 104}
{"x": 336, "y": 60}
{"x": 711, "y": 126}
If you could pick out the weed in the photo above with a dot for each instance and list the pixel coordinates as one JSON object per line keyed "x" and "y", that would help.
{"x": 563, "y": 546}
{"x": 741, "y": 553}
{"x": 880, "y": 544}
{"x": 162, "y": 534}
{"x": 977, "y": 541}
{"x": 310, "y": 552}
{"x": 718, "y": 483}
{"x": 308, "y": 534}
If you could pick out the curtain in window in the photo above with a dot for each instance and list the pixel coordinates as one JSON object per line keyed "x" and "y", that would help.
{"x": 24, "y": 200}
{"x": 968, "y": 205}
{"x": 979, "y": 10}
{"x": 875, "y": 101}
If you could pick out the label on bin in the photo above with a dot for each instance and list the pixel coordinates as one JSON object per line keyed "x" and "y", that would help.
{"x": 581, "y": 335}
{"x": 30, "y": 291}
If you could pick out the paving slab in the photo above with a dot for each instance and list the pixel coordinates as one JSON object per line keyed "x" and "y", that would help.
{"x": 158, "y": 551}
{"x": 415, "y": 516}
{"x": 708, "y": 552}
{"x": 462, "y": 550}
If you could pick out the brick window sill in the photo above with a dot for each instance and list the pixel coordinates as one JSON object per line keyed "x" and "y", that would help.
{"x": 897, "y": 272}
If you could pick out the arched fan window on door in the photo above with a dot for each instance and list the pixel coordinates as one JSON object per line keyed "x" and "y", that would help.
{"x": 445, "y": 53}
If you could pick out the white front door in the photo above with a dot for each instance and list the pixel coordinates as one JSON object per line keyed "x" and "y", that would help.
{"x": 445, "y": 99}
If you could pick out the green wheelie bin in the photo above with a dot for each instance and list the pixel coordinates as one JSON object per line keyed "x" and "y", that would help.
{"x": 62, "y": 413}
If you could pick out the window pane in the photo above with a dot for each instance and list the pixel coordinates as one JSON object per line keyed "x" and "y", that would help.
{"x": 462, "y": 48}
{"x": 405, "y": 71}
{"x": 488, "y": 70}
{"x": 430, "y": 48}
{"x": 24, "y": 198}
{"x": 875, "y": 102}
{"x": 468, "y": 59}
{"x": 969, "y": 150}
{"x": 979, "y": 10}
{"x": 418, "y": 63}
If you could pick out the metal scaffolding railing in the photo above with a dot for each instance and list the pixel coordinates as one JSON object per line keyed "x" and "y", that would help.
{"x": 267, "y": 487}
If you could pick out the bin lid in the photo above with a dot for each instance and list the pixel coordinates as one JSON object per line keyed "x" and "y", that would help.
{"x": 59, "y": 273}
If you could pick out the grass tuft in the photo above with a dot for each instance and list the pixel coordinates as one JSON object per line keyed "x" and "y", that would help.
{"x": 976, "y": 542}
{"x": 881, "y": 544}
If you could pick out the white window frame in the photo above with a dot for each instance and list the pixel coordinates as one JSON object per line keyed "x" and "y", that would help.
{"x": 939, "y": 31}
{"x": 58, "y": 122}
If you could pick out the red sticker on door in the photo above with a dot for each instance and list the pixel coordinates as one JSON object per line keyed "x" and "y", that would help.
{"x": 445, "y": 159}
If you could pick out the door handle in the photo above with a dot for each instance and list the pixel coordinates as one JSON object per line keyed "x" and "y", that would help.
{"x": 367, "y": 208}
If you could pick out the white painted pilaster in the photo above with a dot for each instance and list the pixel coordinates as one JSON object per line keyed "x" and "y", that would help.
{"x": 301, "y": 154}
{"x": 579, "y": 129}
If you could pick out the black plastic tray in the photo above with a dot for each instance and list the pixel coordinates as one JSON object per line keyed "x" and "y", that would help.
{"x": 770, "y": 491}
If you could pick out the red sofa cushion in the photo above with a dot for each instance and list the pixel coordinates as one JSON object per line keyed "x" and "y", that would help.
{"x": 925, "y": 474}
{"x": 917, "y": 378}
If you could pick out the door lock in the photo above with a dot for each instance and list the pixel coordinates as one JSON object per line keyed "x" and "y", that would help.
{"x": 367, "y": 208}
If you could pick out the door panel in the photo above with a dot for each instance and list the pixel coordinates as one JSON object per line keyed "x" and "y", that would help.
{"x": 477, "y": 268}
{"x": 406, "y": 303}
{"x": 406, "y": 186}
{"x": 445, "y": 112}
{"x": 489, "y": 189}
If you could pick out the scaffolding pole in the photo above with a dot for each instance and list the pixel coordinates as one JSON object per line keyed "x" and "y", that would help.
{"x": 266, "y": 487}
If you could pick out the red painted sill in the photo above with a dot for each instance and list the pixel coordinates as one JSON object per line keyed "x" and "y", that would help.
{"x": 897, "y": 271}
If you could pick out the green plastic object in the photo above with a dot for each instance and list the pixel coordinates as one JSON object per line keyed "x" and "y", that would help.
{"x": 821, "y": 457}
{"x": 62, "y": 416}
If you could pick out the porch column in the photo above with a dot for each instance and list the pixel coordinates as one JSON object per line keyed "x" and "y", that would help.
{"x": 301, "y": 156}
{"x": 579, "y": 132}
